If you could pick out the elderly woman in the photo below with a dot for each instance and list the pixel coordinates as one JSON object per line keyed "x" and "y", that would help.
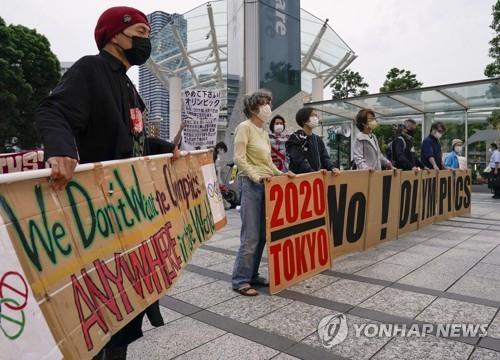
{"x": 252, "y": 155}
{"x": 366, "y": 151}
{"x": 306, "y": 150}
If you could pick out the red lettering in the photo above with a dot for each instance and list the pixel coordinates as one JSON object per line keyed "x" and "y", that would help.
{"x": 319, "y": 197}
{"x": 292, "y": 203}
{"x": 275, "y": 250}
{"x": 323, "y": 252}
{"x": 300, "y": 257}
{"x": 151, "y": 264}
{"x": 162, "y": 251}
{"x": 305, "y": 189}
{"x": 105, "y": 272}
{"x": 276, "y": 194}
{"x": 311, "y": 245}
{"x": 107, "y": 297}
{"x": 95, "y": 316}
{"x": 288, "y": 260}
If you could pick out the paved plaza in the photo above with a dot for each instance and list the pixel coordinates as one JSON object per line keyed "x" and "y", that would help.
{"x": 445, "y": 273}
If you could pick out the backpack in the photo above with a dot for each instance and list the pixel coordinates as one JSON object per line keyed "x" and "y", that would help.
{"x": 390, "y": 151}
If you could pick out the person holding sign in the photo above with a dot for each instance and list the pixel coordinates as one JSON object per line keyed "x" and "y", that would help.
{"x": 451, "y": 160}
{"x": 366, "y": 151}
{"x": 95, "y": 114}
{"x": 401, "y": 148}
{"x": 431, "y": 148}
{"x": 306, "y": 150}
{"x": 252, "y": 155}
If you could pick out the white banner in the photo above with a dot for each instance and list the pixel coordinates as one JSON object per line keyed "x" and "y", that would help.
{"x": 213, "y": 192}
{"x": 24, "y": 332}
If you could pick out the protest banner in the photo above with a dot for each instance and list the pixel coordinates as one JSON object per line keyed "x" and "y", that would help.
{"x": 200, "y": 112}
{"x": 409, "y": 203}
{"x": 363, "y": 209}
{"x": 212, "y": 188}
{"x": 428, "y": 197}
{"x": 94, "y": 256}
{"x": 383, "y": 210}
{"x": 347, "y": 196}
{"x": 21, "y": 161}
{"x": 462, "y": 191}
{"x": 444, "y": 195}
{"x": 297, "y": 235}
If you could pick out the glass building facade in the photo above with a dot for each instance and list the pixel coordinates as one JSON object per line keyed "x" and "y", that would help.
{"x": 239, "y": 45}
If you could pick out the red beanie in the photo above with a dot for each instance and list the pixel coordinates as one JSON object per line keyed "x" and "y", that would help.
{"x": 115, "y": 20}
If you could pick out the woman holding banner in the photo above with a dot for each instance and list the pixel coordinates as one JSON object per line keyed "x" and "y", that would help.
{"x": 252, "y": 155}
{"x": 365, "y": 149}
{"x": 306, "y": 150}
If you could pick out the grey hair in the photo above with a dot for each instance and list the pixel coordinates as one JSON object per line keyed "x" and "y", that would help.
{"x": 252, "y": 102}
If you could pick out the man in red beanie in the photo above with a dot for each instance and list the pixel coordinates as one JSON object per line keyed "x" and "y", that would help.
{"x": 95, "y": 114}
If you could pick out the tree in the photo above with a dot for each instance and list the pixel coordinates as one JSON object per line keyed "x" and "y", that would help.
{"x": 28, "y": 71}
{"x": 347, "y": 84}
{"x": 493, "y": 69}
{"x": 400, "y": 79}
{"x": 494, "y": 119}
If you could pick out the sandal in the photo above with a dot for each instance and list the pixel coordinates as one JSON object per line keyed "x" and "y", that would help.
{"x": 260, "y": 281}
{"x": 247, "y": 290}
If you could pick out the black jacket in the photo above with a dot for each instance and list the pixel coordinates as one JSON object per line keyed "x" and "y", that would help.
{"x": 89, "y": 110}
{"x": 307, "y": 153}
{"x": 87, "y": 117}
{"x": 403, "y": 156}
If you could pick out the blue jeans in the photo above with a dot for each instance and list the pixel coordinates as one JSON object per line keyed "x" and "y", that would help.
{"x": 253, "y": 232}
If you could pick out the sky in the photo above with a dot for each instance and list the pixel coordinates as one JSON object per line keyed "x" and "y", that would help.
{"x": 441, "y": 41}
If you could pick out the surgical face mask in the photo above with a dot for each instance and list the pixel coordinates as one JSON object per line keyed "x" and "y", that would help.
{"x": 437, "y": 134}
{"x": 313, "y": 122}
{"x": 278, "y": 129}
{"x": 490, "y": 150}
{"x": 265, "y": 113}
{"x": 373, "y": 124}
{"x": 220, "y": 151}
{"x": 458, "y": 149}
{"x": 140, "y": 50}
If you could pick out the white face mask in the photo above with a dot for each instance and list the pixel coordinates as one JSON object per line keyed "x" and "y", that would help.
{"x": 265, "y": 113}
{"x": 437, "y": 134}
{"x": 278, "y": 129}
{"x": 458, "y": 149}
{"x": 313, "y": 122}
{"x": 490, "y": 150}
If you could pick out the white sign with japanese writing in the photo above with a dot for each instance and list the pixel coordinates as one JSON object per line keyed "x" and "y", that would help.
{"x": 200, "y": 112}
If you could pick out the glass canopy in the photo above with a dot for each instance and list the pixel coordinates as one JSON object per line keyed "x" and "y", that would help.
{"x": 193, "y": 46}
{"x": 477, "y": 98}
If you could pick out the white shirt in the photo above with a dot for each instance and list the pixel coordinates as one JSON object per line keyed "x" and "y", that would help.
{"x": 495, "y": 158}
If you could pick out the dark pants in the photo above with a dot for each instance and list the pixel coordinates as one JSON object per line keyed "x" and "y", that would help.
{"x": 494, "y": 183}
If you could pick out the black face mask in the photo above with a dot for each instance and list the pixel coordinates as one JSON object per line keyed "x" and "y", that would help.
{"x": 140, "y": 51}
{"x": 410, "y": 132}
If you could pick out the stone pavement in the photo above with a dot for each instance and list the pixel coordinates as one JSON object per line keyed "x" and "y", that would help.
{"x": 445, "y": 273}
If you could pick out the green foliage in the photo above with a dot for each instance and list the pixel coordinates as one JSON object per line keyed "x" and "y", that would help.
{"x": 493, "y": 69}
{"x": 28, "y": 71}
{"x": 400, "y": 79}
{"x": 494, "y": 119}
{"x": 347, "y": 84}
